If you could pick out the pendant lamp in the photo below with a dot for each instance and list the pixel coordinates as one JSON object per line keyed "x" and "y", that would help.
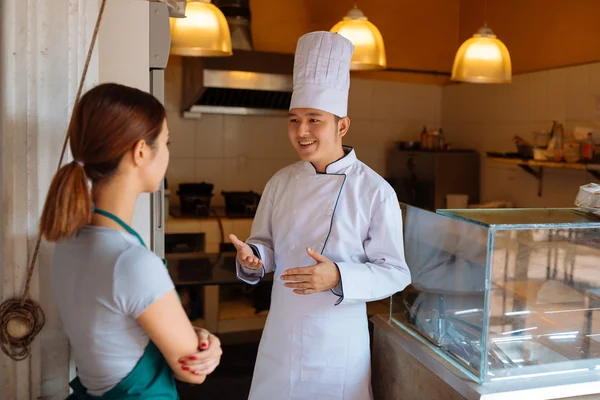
{"x": 202, "y": 33}
{"x": 483, "y": 58}
{"x": 369, "y": 51}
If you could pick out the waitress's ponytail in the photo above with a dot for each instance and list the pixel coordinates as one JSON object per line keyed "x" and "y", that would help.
{"x": 68, "y": 206}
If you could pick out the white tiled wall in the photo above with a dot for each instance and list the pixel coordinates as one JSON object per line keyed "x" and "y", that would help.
{"x": 486, "y": 117}
{"x": 243, "y": 152}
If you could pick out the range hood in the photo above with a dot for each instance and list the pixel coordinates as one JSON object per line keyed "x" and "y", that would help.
{"x": 247, "y": 83}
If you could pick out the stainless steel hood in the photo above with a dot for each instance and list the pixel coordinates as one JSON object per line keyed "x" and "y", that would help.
{"x": 247, "y": 83}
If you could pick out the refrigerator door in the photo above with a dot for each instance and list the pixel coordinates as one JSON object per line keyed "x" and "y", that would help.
{"x": 160, "y": 42}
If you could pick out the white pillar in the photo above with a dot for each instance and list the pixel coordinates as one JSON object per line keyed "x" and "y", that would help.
{"x": 43, "y": 48}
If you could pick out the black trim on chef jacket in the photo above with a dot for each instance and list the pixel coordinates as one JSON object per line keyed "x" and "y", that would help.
{"x": 340, "y": 296}
{"x": 350, "y": 148}
{"x": 257, "y": 253}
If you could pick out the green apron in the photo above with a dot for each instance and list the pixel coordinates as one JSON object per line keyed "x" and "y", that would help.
{"x": 151, "y": 378}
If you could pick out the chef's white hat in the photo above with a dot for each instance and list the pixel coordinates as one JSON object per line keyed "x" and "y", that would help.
{"x": 322, "y": 72}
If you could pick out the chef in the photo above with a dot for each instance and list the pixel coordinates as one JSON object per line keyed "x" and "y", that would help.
{"x": 330, "y": 229}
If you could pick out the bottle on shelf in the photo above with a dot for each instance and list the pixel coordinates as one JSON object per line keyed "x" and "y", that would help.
{"x": 442, "y": 140}
{"x": 424, "y": 137}
{"x": 555, "y": 149}
{"x": 432, "y": 140}
{"x": 588, "y": 149}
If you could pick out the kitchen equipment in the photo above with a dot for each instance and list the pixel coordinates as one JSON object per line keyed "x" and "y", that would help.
{"x": 588, "y": 197}
{"x": 571, "y": 152}
{"x": 485, "y": 299}
{"x": 541, "y": 138}
{"x": 424, "y": 135}
{"x": 524, "y": 148}
{"x": 194, "y": 198}
{"x": 539, "y": 154}
{"x": 588, "y": 148}
{"x": 200, "y": 188}
{"x": 408, "y": 145}
{"x": 195, "y": 269}
{"x": 159, "y": 48}
{"x": 241, "y": 204}
{"x": 184, "y": 243}
{"x": 556, "y": 145}
{"x": 423, "y": 178}
{"x": 249, "y": 82}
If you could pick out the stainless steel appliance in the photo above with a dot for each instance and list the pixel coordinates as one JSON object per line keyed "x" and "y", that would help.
{"x": 160, "y": 43}
{"x": 423, "y": 178}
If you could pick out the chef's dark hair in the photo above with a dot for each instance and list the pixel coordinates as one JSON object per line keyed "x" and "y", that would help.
{"x": 106, "y": 124}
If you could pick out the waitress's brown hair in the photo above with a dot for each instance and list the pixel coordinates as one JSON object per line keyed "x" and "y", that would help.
{"x": 107, "y": 123}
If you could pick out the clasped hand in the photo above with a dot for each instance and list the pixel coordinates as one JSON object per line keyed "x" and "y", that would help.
{"x": 322, "y": 276}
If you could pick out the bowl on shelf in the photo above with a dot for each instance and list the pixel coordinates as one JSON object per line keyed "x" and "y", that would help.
{"x": 539, "y": 154}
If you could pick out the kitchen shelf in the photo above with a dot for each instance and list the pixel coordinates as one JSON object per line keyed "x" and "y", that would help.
{"x": 536, "y": 168}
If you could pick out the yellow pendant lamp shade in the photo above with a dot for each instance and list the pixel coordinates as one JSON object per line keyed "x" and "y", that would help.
{"x": 369, "y": 51}
{"x": 202, "y": 33}
{"x": 482, "y": 59}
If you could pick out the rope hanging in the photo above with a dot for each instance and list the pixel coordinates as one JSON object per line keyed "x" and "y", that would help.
{"x": 22, "y": 319}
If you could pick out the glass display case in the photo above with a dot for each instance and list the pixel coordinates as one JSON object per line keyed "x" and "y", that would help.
{"x": 504, "y": 294}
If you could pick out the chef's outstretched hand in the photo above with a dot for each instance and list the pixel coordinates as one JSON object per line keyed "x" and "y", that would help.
{"x": 322, "y": 276}
{"x": 245, "y": 255}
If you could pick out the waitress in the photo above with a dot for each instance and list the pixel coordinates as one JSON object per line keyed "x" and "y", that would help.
{"x": 119, "y": 308}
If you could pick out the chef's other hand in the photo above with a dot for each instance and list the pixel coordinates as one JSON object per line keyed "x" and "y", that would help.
{"x": 322, "y": 276}
{"x": 245, "y": 255}
{"x": 209, "y": 357}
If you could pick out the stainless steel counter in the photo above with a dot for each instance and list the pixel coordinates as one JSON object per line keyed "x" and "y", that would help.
{"x": 405, "y": 367}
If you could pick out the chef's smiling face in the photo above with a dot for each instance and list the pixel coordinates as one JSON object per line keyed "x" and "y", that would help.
{"x": 317, "y": 135}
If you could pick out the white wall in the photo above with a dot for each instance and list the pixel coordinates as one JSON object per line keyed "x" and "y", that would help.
{"x": 243, "y": 152}
{"x": 486, "y": 117}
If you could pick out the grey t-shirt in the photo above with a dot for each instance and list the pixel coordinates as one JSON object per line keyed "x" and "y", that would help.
{"x": 102, "y": 280}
